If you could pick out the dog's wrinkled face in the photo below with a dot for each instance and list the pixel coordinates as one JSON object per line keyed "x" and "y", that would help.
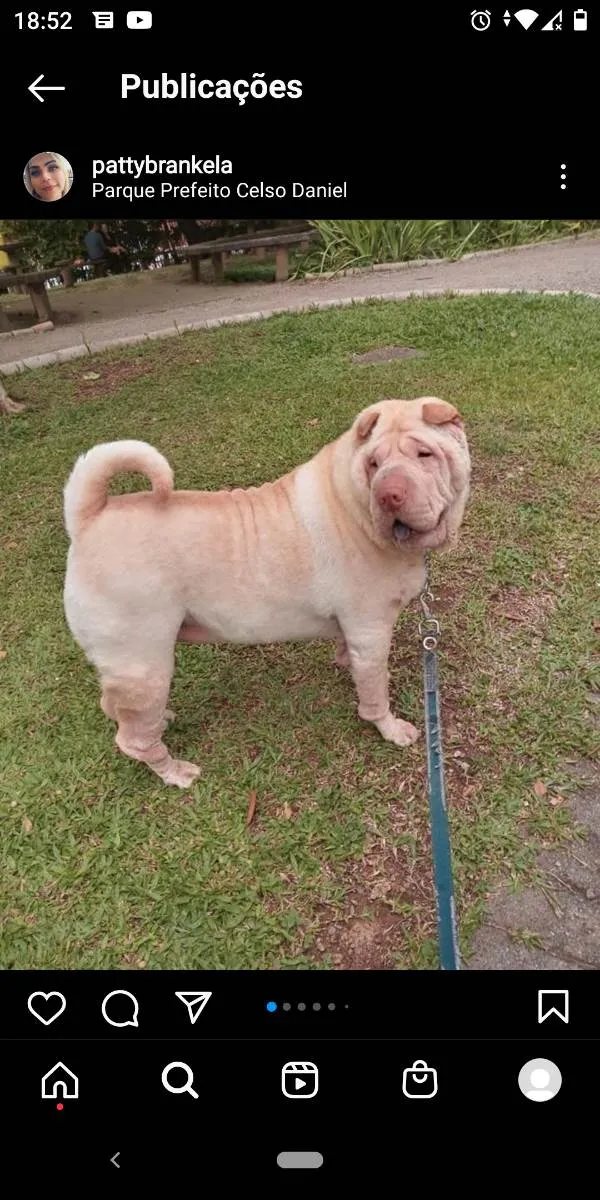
{"x": 410, "y": 469}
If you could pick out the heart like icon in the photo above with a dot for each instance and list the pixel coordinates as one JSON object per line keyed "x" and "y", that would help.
{"x": 47, "y": 996}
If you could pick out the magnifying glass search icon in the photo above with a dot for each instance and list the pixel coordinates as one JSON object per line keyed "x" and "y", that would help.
{"x": 186, "y": 1087}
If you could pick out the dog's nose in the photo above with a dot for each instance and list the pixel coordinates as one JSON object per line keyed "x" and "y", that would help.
{"x": 391, "y": 499}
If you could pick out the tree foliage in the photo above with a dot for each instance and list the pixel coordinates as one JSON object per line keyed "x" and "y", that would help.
{"x": 44, "y": 244}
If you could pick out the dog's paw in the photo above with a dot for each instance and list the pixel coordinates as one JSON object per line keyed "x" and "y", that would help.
{"x": 180, "y": 774}
{"x": 395, "y": 730}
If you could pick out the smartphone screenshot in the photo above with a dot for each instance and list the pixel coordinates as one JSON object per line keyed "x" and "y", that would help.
{"x": 299, "y": 549}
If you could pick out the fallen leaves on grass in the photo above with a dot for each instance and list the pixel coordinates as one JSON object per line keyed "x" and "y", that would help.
{"x": 251, "y": 808}
{"x": 27, "y": 825}
{"x": 540, "y": 788}
{"x": 380, "y": 889}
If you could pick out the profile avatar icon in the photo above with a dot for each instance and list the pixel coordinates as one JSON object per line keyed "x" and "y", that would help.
{"x": 48, "y": 176}
{"x": 540, "y": 1079}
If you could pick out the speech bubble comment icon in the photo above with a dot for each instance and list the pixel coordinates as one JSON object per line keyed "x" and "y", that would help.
{"x": 124, "y": 1009}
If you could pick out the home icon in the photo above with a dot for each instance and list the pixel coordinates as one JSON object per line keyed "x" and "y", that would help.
{"x": 59, "y": 1083}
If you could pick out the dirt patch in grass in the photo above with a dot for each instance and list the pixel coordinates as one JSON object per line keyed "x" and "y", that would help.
{"x": 524, "y": 608}
{"x": 101, "y": 375}
{"x": 388, "y": 893}
{"x": 363, "y": 944}
{"x": 110, "y": 379}
{"x": 387, "y": 354}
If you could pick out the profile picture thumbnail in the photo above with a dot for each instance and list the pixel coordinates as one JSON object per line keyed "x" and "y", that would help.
{"x": 48, "y": 176}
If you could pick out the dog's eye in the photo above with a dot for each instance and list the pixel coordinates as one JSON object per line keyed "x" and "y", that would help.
{"x": 425, "y": 454}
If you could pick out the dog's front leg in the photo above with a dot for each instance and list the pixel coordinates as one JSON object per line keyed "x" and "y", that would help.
{"x": 342, "y": 658}
{"x": 368, "y": 652}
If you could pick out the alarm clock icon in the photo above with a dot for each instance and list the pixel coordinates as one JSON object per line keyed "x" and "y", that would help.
{"x": 481, "y": 19}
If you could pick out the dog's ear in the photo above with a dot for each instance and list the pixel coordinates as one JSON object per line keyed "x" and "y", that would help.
{"x": 366, "y": 422}
{"x": 439, "y": 412}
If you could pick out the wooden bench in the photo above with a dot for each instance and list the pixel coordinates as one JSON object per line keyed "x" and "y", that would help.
{"x": 34, "y": 284}
{"x": 65, "y": 268}
{"x": 218, "y": 248}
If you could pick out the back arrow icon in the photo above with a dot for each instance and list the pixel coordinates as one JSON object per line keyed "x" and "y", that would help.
{"x": 114, "y": 1160}
{"x": 35, "y": 90}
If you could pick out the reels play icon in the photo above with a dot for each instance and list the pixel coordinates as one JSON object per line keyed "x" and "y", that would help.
{"x": 300, "y": 1080}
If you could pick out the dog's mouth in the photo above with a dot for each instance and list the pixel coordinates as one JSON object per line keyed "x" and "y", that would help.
{"x": 403, "y": 533}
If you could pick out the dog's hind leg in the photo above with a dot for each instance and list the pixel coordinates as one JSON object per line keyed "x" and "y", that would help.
{"x": 107, "y": 704}
{"x": 138, "y": 703}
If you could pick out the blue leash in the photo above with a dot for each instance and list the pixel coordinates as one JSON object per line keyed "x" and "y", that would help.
{"x": 440, "y": 832}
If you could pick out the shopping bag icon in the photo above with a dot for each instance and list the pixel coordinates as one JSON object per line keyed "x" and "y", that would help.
{"x": 419, "y": 1082}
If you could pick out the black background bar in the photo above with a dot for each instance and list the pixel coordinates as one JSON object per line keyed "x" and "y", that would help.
{"x": 378, "y": 1005}
{"x": 416, "y": 113}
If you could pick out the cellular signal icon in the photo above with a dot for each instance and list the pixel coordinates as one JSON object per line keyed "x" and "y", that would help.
{"x": 526, "y": 17}
{"x": 195, "y": 1003}
{"x": 555, "y": 23}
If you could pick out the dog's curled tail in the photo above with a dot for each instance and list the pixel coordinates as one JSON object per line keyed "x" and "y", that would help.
{"x": 86, "y": 490}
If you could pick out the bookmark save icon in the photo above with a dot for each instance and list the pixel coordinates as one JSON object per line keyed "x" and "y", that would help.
{"x": 195, "y": 1002}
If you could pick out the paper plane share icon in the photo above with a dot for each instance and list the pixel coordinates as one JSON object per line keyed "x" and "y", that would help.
{"x": 195, "y": 1003}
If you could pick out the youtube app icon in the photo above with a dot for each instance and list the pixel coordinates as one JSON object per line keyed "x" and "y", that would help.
{"x": 139, "y": 19}
{"x": 300, "y": 1080}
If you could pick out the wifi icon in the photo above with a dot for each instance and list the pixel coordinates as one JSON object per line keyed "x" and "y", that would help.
{"x": 526, "y": 17}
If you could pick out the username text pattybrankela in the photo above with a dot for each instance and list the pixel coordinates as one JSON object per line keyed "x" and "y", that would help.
{"x": 104, "y": 183}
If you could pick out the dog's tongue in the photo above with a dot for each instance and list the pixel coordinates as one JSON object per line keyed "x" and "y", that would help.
{"x": 401, "y": 532}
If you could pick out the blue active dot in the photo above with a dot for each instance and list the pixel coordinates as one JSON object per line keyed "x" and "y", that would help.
{"x": 271, "y": 1006}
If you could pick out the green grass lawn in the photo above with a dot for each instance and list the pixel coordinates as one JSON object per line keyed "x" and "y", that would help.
{"x": 102, "y": 865}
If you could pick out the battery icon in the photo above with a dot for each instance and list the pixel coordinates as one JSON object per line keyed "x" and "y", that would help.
{"x": 580, "y": 19}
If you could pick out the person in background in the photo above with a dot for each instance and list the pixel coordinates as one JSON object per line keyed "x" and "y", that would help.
{"x": 110, "y": 240}
{"x": 120, "y": 261}
{"x": 101, "y": 254}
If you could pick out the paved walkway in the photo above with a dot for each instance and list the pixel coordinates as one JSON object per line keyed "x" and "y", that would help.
{"x": 559, "y": 927}
{"x": 171, "y": 304}
{"x": 555, "y": 927}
